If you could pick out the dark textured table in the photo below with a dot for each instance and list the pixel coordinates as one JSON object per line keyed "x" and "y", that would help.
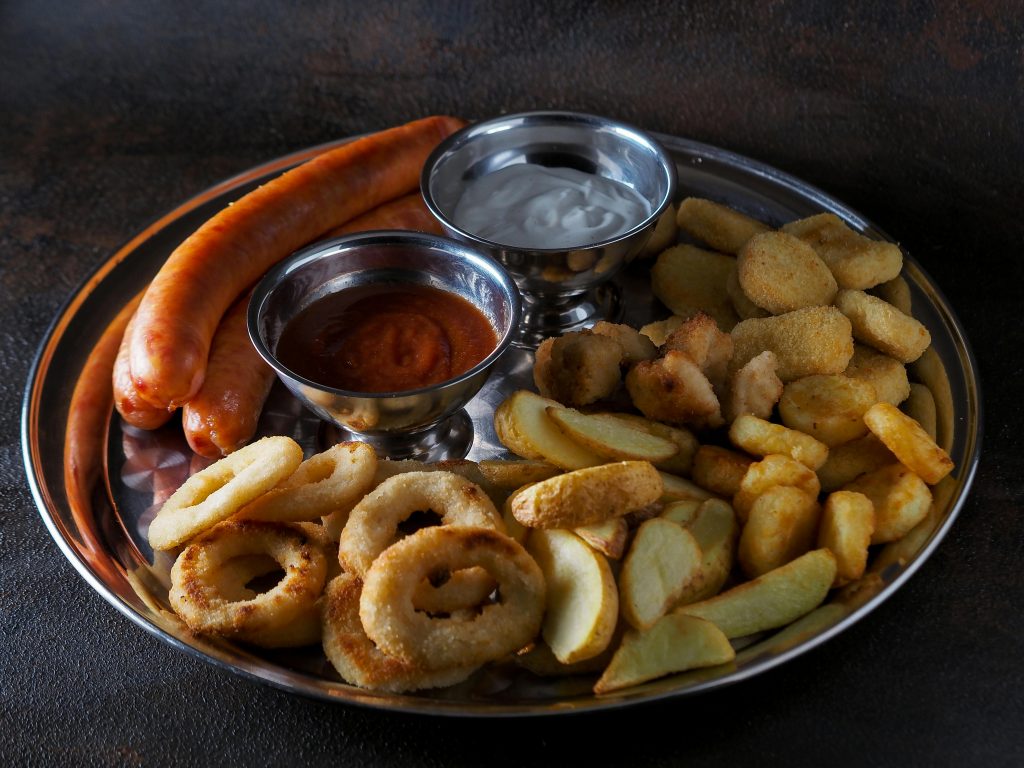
{"x": 111, "y": 113}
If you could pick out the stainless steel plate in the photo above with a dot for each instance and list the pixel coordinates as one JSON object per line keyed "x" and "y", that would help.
{"x": 98, "y": 515}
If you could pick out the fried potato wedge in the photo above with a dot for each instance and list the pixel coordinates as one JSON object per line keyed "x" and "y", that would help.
{"x": 762, "y": 438}
{"x": 848, "y": 461}
{"x": 910, "y": 443}
{"x": 719, "y": 469}
{"x": 773, "y": 470}
{"x": 847, "y": 522}
{"x": 686, "y": 443}
{"x": 675, "y": 488}
{"x": 717, "y": 225}
{"x": 609, "y": 537}
{"x": 779, "y": 272}
{"x": 610, "y": 437}
{"x": 901, "y": 500}
{"x": 682, "y": 512}
{"x": 675, "y": 643}
{"x": 771, "y": 600}
{"x": 829, "y": 408}
{"x": 582, "y": 603}
{"x": 587, "y": 496}
{"x": 805, "y": 341}
{"x": 716, "y": 530}
{"x": 781, "y": 526}
{"x": 689, "y": 280}
{"x": 663, "y": 561}
{"x": 524, "y": 427}
{"x": 881, "y": 325}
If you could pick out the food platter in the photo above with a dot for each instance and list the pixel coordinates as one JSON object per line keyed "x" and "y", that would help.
{"x": 99, "y": 516}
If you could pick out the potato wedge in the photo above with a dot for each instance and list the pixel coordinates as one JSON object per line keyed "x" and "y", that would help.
{"x": 682, "y": 512}
{"x": 781, "y": 526}
{"x": 663, "y": 561}
{"x": 847, "y": 522}
{"x": 686, "y": 444}
{"x": 510, "y": 474}
{"x": 909, "y": 442}
{"x": 540, "y": 660}
{"x": 829, "y": 408}
{"x": 524, "y": 427}
{"x": 762, "y": 438}
{"x": 589, "y": 495}
{"x": 688, "y": 280}
{"x": 719, "y": 469}
{"x": 716, "y": 530}
{"x": 608, "y": 538}
{"x": 717, "y": 225}
{"x": 772, "y": 600}
{"x": 582, "y": 602}
{"x": 675, "y": 488}
{"x": 848, "y": 461}
{"x": 610, "y": 437}
{"x": 900, "y": 498}
{"x": 675, "y": 643}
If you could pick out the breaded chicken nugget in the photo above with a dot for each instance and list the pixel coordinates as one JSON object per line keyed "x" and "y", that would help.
{"x": 673, "y": 389}
{"x": 635, "y": 346}
{"x": 856, "y": 261}
{"x": 755, "y": 388}
{"x": 884, "y": 327}
{"x": 578, "y": 368}
{"x": 717, "y": 225}
{"x": 780, "y": 273}
{"x": 707, "y": 346}
{"x": 805, "y": 341}
{"x": 688, "y": 280}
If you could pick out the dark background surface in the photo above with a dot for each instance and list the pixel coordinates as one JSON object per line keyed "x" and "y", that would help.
{"x": 913, "y": 113}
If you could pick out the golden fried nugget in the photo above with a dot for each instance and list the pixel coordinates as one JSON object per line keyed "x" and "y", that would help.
{"x": 848, "y": 461}
{"x": 847, "y": 522}
{"x": 805, "y": 341}
{"x": 886, "y": 374}
{"x": 755, "y": 388}
{"x": 720, "y": 470}
{"x": 771, "y": 471}
{"x": 688, "y": 280}
{"x": 762, "y": 438}
{"x": 578, "y": 368}
{"x": 744, "y": 307}
{"x": 884, "y": 327}
{"x": 635, "y": 346}
{"x": 780, "y": 273}
{"x": 673, "y": 389}
{"x": 829, "y": 408}
{"x": 911, "y": 444}
{"x": 707, "y": 346}
{"x": 931, "y": 371}
{"x": 896, "y": 292}
{"x": 920, "y": 406}
{"x": 721, "y": 227}
{"x": 856, "y": 261}
{"x": 659, "y": 330}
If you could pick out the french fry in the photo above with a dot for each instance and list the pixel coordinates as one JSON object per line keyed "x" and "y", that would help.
{"x": 910, "y": 443}
{"x": 772, "y": 600}
{"x": 847, "y": 522}
{"x": 901, "y": 500}
{"x": 719, "y": 469}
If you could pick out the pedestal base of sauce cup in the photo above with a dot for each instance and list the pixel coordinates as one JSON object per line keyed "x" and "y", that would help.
{"x": 546, "y": 315}
{"x": 448, "y": 439}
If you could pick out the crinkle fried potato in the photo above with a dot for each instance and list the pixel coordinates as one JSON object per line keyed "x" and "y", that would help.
{"x": 847, "y": 522}
{"x": 762, "y": 438}
{"x": 721, "y": 227}
{"x": 805, "y": 341}
{"x": 781, "y": 526}
{"x": 856, "y": 261}
{"x": 908, "y": 440}
{"x": 773, "y": 470}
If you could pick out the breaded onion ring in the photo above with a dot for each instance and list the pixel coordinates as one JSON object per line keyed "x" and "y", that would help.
{"x": 277, "y": 617}
{"x": 393, "y": 623}
{"x": 373, "y": 524}
{"x": 323, "y": 483}
{"x": 358, "y": 660}
{"x": 461, "y": 590}
{"x": 223, "y": 488}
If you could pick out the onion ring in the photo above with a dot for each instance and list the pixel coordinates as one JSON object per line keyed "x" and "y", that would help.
{"x": 323, "y": 483}
{"x": 373, "y": 524}
{"x": 358, "y": 660}
{"x": 390, "y": 619}
{"x": 460, "y": 590}
{"x": 219, "y": 491}
{"x": 279, "y": 616}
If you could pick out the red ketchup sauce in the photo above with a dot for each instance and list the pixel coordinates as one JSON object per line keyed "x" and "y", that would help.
{"x": 386, "y": 338}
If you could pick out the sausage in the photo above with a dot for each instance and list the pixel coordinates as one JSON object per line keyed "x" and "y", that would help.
{"x": 224, "y": 413}
{"x": 408, "y": 212}
{"x": 179, "y": 313}
{"x": 129, "y": 404}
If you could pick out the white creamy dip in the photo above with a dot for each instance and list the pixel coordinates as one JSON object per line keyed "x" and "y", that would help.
{"x": 533, "y": 206}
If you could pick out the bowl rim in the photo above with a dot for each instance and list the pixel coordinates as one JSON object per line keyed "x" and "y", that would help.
{"x": 468, "y": 133}
{"x": 481, "y": 263}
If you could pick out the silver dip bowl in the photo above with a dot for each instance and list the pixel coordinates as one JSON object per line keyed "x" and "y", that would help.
{"x": 424, "y": 423}
{"x": 564, "y": 288}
